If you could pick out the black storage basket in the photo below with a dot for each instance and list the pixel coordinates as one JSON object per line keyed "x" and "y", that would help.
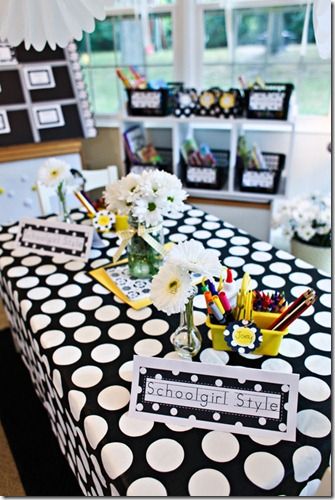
{"x": 269, "y": 103}
{"x": 207, "y": 177}
{"x": 261, "y": 180}
{"x": 148, "y": 102}
{"x": 166, "y": 164}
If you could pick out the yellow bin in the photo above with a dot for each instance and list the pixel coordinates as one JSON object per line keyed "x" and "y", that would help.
{"x": 271, "y": 338}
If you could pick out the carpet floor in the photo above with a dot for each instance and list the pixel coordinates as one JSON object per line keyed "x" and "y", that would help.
{"x": 41, "y": 466}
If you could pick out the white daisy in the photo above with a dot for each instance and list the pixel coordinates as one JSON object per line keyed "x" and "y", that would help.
{"x": 148, "y": 210}
{"x": 192, "y": 256}
{"x": 170, "y": 289}
{"x": 53, "y": 172}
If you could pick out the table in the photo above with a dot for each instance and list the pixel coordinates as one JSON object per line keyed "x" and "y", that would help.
{"x": 77, "y": 340}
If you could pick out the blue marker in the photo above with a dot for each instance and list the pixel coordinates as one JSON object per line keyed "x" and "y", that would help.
{"x": 211, "y": 287}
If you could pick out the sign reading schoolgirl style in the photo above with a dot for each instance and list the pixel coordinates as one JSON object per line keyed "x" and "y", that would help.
{"x": 226, "y": 398}
{"x": 48, "y": 237}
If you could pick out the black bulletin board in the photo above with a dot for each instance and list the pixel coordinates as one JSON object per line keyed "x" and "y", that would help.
{"x": 36, "y": 87}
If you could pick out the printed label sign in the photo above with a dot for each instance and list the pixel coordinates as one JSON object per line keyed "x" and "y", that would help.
{"x": 226, "y": 398}
{"x": 40, "y": 77}
{"x": 55, "y": 238}
{"x": 48, "y": 116}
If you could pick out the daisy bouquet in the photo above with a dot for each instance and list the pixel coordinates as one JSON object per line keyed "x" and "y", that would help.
{"x": 173, "y": 286}
{"x": 56, "y": 174}
{"x": 306, "y": 219}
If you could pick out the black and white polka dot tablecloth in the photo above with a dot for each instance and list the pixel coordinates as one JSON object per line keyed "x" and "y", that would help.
{"x": 78, "y": 340}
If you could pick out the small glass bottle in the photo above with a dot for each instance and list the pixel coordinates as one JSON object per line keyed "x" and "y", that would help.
{"x": 63, "y": 211}
{"x": 187, "y": 338}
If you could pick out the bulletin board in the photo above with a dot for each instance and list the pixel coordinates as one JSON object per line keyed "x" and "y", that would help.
{"x": 43, "y": 96}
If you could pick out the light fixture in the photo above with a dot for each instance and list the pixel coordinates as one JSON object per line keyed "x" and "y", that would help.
{"x": 56, "y": 22}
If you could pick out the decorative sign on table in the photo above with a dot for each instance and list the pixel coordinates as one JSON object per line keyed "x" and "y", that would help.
{"x": 224, "y": 398}
{"x": 48, "y": 237}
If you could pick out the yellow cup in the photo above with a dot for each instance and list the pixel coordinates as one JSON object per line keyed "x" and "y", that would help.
{"x": 121, "y": 222}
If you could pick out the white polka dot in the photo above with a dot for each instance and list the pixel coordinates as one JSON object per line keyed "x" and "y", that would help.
{"x": 100, "y": 290}
{"x": 253, "y": 269}
{"x": 77, "y": 400}
{"x": 140, "y": 314}
{"x": 296, "y": 291}
{"x": 233, "y": 261}
{"x": 148, "y": 347}
{"x": 126, "y": 371}
{"x": 291, "y": 348}
{"x": 146, "y": 487}
{"x": 39, "y": 293}
{"x": 200, "y": 302}
{"x": 53, "y": 306}
{"x": 310, "y": 489}
{"x": 277, "y": 365}
{"x": 199, "y": 318}
{"x": 52, "y": 338}
{"x": 265, "y": 440}
{"x": 323, "y": 318}
{"x": 325, "y": 299}
{"x": 165, "y": 455}
{"x": 115, "y": 468}
{"x": 95, "y": 254}
{"x": 273, "y": 281}
{"x": 186, "y": 229}
{"x": 220, "y": 446}
{"x": 216, "y": 243}
{"x": 61, "y": 259}
{"x": 66, "y": 355}
{"x": 90, "y": 303}
{"x": 251, "y": 356}
{"x": 176, "y": 238}
{"x": 17, "y": 272}
{"x": 280, "y": 268}
{"x": 113, "y": 397}
{"x": 238, "y": 251}
{"x": 56, "y": 378}
{"x": 29, "y": 282}
{"x": 105, "y": 353}
{"x": 239, "y": 240}
{"x": 281, "y": 254}
{"x": 208, "y": 483}
{"x": 155, "y": 327}
{"x": 318, "y": 364}
{"x": 313, "y": 423}
{"x": 46, "y": 270}
{"x": 224, "y": 233}
{"x": 211, "y": 217}
{"x": 6, "y": 237}
{"x": 263, "y": 246}
{"x": 300, "y": 278}
{"x": 69, "y": 291}
{"x": 302, "y": 264}
{"x": 87, "y": 376}
{"x": 87, "y": 334}
{"x": 257, "y": 463}
{"x": 324, "y": 285}
{"x": 306, "y": 460}
{"x": 5, "y": 261}
{"x": 202, "y": 235}
{"x": 133, "y": 427}
{"x": 121, "y": 331}
{"x": 194, "y": 212}
{"x": 299, "y": 327}
{"x": 39, "y": 321}
{"x": 75, "y": 265}
{"x": 82, "y": 278}
{"x": 261, "y": 256}
{"x": 56, "y": 279}
{"x": 107, "y": 313}
{"x": 169, "y": 223}
{"x": 25, "y": 305}
{"x": 99, "y": 263}
{"x": 72, "y": 319}
{"x": 314, "y": 389}
{"x": 210, "y": 225}
{"x": 96, "y": 428}
{"x": 192, "y": 220}
{"x": 321, "y": 341}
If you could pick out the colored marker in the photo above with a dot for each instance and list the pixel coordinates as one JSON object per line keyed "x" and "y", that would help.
{"x": 216, "y": 312}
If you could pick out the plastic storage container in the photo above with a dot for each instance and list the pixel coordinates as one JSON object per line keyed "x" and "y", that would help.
{"x": 271, "y": 338}
{"x": 207, "y": 177}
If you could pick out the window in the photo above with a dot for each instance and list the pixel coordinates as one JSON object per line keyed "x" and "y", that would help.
{"x": 117, "y": 42}
{"x": 274, "y": 43}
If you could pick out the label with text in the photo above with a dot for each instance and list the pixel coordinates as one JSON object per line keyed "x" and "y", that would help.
{"x": 226, "y": 398}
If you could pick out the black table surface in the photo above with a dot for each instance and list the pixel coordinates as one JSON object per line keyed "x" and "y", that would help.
{"x": 78, "y": 340}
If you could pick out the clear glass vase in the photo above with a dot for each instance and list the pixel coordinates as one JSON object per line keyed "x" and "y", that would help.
{"x": 63, "y": 211}
{"x": 187, "y": 338}
{"x": 143, "y": 260}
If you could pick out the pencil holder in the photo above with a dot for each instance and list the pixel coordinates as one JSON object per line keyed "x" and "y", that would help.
{"x": 271, "y": 339}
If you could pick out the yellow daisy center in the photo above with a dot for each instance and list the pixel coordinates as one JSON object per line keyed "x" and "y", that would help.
{"x": 103, "y": 220}
{"x": 174, "y": 286}
{"x": 54, "y": 173}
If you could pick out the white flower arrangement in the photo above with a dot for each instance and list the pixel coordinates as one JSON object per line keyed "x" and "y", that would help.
{"x": 53, "y": 172}
{"x": 172, "y": 286}
{"x": 306, "y": 218}
{"x": 147, "y": 197}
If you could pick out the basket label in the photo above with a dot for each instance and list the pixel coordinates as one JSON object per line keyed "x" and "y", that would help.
{"x": 225, "y": 398}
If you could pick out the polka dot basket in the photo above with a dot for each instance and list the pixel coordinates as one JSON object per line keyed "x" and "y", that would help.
{"x": 271, "y": 339}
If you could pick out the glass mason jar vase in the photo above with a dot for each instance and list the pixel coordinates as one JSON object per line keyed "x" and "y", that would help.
{"x": 187, "y": 338}
{"x": 143, "y": 260}
{"x": 63, "y": 211}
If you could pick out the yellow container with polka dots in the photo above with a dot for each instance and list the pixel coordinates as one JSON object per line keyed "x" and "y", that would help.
{"x": 271, "y": 338}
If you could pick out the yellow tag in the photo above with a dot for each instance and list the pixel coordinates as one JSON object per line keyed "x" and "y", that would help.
{"x": 243, "y": 336}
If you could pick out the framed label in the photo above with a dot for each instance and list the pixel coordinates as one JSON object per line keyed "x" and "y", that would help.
{"x": 48, "y": 116}
{"x": 40, "y": 77}
{"x": 4, "y": 123}
{"x": 48, "y": 237}
{"x": 225, "y": 398}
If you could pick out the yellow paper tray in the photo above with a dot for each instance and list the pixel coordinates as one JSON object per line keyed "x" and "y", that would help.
{"x": 271, "y": 338}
